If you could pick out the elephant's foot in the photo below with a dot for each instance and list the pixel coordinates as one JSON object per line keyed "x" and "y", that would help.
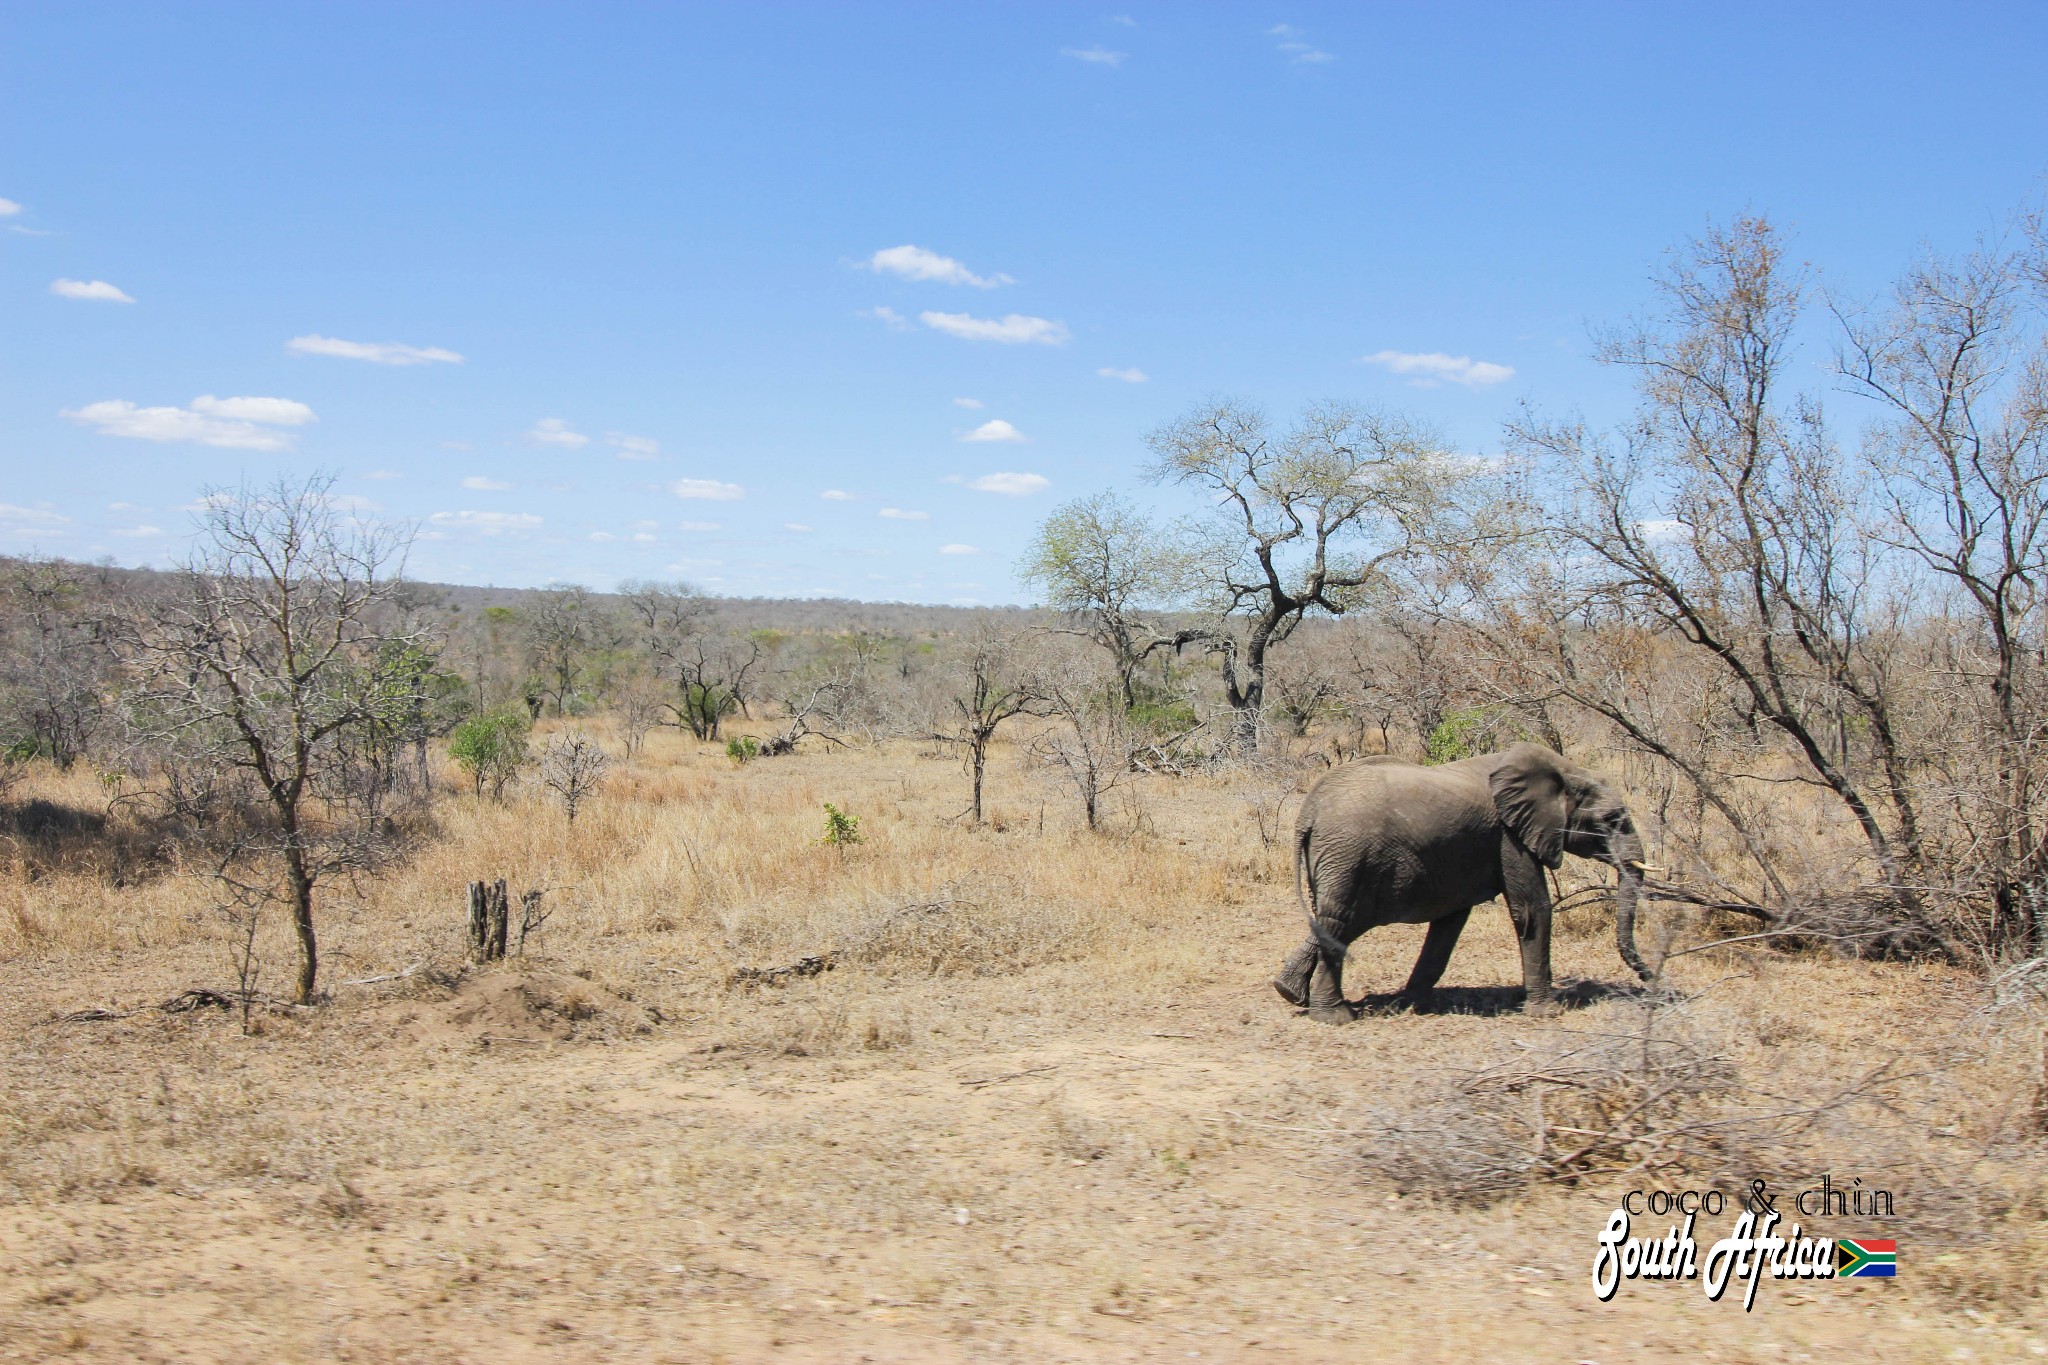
{"x": 1333, "y": 1014}
{"x": 1542, "y": 1007}
{"x": 1417, "y": 1002}
{"x": 1295, "y": 993}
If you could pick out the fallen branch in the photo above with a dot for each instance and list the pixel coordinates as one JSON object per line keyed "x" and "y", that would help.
{"x": 1007, "y": 1076}
{"x": 90, "y": 1016}
{"x": 413, "y": 970}
{"x": 197, "y": 998}
{"x": 808, "y": 966}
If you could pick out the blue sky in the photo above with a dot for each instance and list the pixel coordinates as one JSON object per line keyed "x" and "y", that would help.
{"x": 629, "y": 252}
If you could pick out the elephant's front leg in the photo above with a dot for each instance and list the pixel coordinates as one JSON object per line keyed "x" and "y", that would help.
{"x": 1435, "y": 956}
{"x": 1528, "y": 897}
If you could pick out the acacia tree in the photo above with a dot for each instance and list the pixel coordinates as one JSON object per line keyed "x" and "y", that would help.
{"x": 1100, "y": 559}
{"x": 269, "y": 652}
{"x": 1306, "y": 520}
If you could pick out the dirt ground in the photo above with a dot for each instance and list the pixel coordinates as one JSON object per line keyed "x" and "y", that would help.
{"x": 605, "y": 1151}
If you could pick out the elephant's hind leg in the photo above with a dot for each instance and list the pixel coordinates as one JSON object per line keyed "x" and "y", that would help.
{"x": 1435, "y": 956}
{"x": 1292, "y": 983}
{"x": 1329, "y": 942}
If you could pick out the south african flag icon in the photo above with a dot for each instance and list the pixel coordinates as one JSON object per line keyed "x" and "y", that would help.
{"x": 1865, "y": 1258}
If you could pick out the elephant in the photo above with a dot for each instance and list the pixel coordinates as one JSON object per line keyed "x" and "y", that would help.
{"x": 1381, "y": 841}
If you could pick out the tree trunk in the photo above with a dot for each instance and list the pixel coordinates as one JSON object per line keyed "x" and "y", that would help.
{"x": 978, "y": 750}
{"x": 300, "y": 884}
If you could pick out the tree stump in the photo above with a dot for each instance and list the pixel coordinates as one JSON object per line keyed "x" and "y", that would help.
{"x": 489, "y": 910}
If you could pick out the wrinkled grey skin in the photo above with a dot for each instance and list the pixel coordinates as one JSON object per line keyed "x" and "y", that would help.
{"x": 1386, "y": 842}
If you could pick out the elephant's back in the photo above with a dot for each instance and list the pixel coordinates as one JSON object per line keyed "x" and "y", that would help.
{"x": 1383, "y": 781}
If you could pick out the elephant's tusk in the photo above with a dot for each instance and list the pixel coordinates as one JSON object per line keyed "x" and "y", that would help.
{"x": 1647, "y": 869}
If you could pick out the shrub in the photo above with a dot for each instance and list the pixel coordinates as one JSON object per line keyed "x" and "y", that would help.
{"x": 491, "y": 747}
{"x": 743, "y": 749}
{"x": 841, "y": 828}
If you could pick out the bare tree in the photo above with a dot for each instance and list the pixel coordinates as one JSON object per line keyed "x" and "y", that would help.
{"x": 641, "y": 704}
{"x": 1956, "y": 363}
{"x": 1307, "y": 519}
{"x": 565, "y": 629}
{"x": 573, "y": 766}
{"x": 1756, "y": 558}
{"x": 972, "y": 697}
{"x": 54, "y": 660}
{"x": 268, "y": 652}
{"x": 1088, "y": 747}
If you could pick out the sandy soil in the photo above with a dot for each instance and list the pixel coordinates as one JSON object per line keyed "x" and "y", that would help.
{"x": 1045, "y": 1173}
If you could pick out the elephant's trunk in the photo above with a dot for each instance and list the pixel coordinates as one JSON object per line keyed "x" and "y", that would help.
{"x": 1628, "y": 864}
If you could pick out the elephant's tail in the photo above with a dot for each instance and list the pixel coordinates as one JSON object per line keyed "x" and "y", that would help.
{"x": 1305, "y": 896}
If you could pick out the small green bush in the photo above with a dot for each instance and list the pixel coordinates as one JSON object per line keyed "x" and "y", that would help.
{"x": 742, "y": 749}
{"x": 840, "y": 828}
{"x": 491, "y": 747}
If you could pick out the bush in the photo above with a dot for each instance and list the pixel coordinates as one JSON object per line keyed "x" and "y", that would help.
{"x": 841, "y": 828}
{"x": 491, "y": 747}
{"x": 743, "y": 749}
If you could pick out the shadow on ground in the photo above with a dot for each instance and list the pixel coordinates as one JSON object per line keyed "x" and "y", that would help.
{"x": 1490, "y": 1001}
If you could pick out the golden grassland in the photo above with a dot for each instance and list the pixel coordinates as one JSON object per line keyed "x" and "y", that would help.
{"x": 1043, "y": 1106}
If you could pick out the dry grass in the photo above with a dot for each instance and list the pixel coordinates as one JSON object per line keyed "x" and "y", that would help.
{"x": 1043, "y": 1105}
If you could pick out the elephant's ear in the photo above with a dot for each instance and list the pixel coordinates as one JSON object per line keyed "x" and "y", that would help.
{"x": 1529, "y": 792}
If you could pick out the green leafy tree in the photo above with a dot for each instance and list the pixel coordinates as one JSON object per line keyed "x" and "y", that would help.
{"x": 491, "y": 747}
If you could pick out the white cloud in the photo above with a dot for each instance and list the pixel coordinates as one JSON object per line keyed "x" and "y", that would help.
{"x": 40, "y": 517}
{"x": 1427, "y": 369}
{"x": 553, "y": 431}
{"x": 1664, "y": 528}
{"x": 271, "y": 412}
{"x": 489, "y": 523}
{"x": 1292, "y": 44}
{"x": 916, "y": 263}
{"x": 1126, "y": 20}
{"x": 1133, "y": 375}
{"x": 644, "y": 537}
{"x": 996, "y": 429}
{"x": 898, "y": 514}
{"x": 633, "y": 447}
{"x": 797, "y": 526}
{"x": 1011, "y": 327}
{"x": 230, "y": 423}
{"x": 376, "y": 352}
{"x": 479, "y": 484}
{"x": 1011, "y": 485}
{"x": 1097, "y": 55}
{"x": 698, "y": 525}
{"x": 972, "y": 404}
{"x": 602, "y": 535}
{"x": 139, "y": 532}
{"x": 88, "y": 289}
{"x": 958, "y": 550}
{"x": 8, "y": 208}
{"x": 711, "y": 490}
{"x": 383, "y": 474}
{"x": 888, "y": 315}
{"x": 837, "y": 495}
